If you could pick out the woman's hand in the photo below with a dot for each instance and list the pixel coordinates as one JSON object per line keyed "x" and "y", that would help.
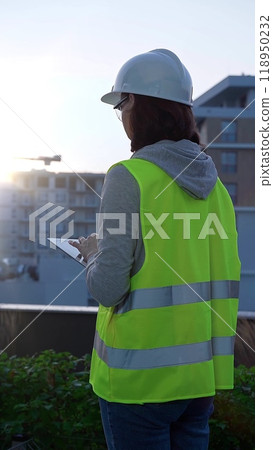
{"x": 86, "y": 246}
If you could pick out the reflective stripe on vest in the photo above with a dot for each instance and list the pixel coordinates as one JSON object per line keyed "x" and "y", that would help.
{"x": 178, "y": 295}
{"x": 177, "y": 355}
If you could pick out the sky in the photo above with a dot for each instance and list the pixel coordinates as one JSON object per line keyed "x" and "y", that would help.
{"x": 58, "y": 57}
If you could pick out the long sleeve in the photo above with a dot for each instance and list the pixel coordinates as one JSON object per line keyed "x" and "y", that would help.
{"x": 108, "y": 271}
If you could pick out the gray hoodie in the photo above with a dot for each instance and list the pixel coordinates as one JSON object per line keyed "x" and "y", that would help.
{"x": 121, "y": 256}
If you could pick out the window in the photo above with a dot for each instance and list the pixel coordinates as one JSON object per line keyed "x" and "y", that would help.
{"x": 25, "y": 246}
{"x": 90, "y": 200}
{"x": 243, "y": 101}
{"x": 72, "y": 199}
{"x": 25, "y": 230}
{"x": 91, "y": 182}
{"x": 60, "y": 197}
{"x": 229, "y": 131}
{"x": 229, "y": 162}
{"x": 26, "y": 213}
{"x": 80, "y": 186}
{"x": 60, "y": 182}
{"x": 61, "y": 227}
{"x": 42, "y": 182}
{"x": 90, "y": 214}
{"x": 43, "y": 197}
{"x": 232, "y": 190}
{"x": 13, "y": 244}
{"x": 72, "y": 183}
{"x": 77, "y": 201}
{"x": 26, "y": 199}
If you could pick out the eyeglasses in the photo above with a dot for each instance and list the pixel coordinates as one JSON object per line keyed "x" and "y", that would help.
{"x": 118, "y": 108}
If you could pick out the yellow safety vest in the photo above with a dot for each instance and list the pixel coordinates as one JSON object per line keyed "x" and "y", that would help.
{"x": 173, "y": 336}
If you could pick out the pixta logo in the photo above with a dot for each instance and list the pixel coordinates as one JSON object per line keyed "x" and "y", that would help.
{"x": 210, "y": 226}
{"x": 51, "y": 216}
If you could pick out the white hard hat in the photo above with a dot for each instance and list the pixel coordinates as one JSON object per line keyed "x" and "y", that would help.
{"x": 158, "y": 73}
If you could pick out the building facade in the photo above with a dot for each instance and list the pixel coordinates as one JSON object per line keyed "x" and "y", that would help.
{"x": 33, "y": 190}
{"x": 225, "y": 116}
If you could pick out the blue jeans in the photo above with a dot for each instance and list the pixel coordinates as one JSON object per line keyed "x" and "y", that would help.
{"x": 177, "y": 425}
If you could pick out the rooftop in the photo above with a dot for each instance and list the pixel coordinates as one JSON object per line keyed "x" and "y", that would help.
{"x": 231, "y": 87}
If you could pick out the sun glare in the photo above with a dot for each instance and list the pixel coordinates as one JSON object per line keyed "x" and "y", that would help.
{"x": 28, "y": 102}
{"x": 10, "y": 164}
{"x": 6, "y": 168}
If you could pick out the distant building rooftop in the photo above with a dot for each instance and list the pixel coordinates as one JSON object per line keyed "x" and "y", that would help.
{"x": 231, "y": 87}
{"x": 233, "y": 96}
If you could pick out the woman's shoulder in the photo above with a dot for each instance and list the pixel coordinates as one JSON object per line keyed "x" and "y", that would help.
{"x": 120, "y": 185}
{"x": 120, "y": 175}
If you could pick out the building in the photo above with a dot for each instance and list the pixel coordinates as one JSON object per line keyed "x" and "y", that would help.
{"x": 231, "y": 143}
{"x": 30, "y": 191}
{"x": 8, "y": 222}
{"x": 31, "y": 272}
{"x": 225, "y": 116}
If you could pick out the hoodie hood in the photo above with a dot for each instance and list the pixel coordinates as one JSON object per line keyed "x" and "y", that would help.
{"x": 193, "y": 170}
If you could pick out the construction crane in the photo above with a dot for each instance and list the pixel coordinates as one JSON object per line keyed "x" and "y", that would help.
{"x": 47, "y": 159}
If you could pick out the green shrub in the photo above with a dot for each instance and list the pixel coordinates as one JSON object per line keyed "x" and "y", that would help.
{"x": 232, "y": 424}
{"x": 48, "y": 397}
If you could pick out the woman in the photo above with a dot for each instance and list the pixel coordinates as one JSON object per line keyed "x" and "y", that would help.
{"x": 166, "y": 269}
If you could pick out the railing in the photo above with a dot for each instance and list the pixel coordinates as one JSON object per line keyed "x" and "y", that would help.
{"x": 30, "y": 329}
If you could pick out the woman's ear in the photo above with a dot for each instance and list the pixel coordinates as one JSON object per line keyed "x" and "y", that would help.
{"x": 131, "y": 101}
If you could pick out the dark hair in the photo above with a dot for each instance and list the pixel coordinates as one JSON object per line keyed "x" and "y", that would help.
{"x": 154, "y": 119}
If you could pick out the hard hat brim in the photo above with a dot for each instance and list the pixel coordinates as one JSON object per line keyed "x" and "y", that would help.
{"x": 112, "y": 98}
